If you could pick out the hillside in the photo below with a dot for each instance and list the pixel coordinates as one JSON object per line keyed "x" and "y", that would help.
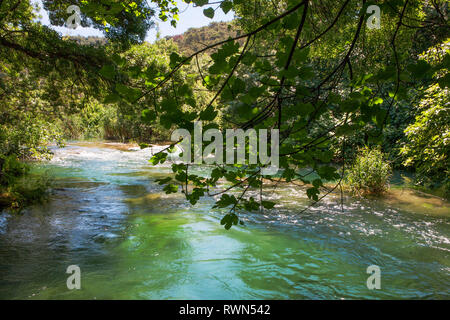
{"x": 189, "y": 42}
{"x": 195, "y": 39}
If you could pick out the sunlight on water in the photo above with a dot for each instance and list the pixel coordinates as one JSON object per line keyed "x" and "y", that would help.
{"x": 132, "y": 241}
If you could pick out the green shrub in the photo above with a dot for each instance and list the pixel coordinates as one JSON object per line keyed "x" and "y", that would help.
{"x": 19, "y": 188}
{"x": 428, "y": 147}
{"x": 30, "y": 189}
{"x": 370, "y": 172}
{"x": 10, "y": 169}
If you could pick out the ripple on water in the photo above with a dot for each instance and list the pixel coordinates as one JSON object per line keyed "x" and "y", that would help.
{"x": 131, "y": 240}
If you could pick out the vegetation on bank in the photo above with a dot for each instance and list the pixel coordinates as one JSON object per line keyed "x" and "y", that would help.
{"x": 19, "y": 188}
{"x": 313, "y": 70}
{"x": 24, "y": 138}
{"x": 370, "y": 173}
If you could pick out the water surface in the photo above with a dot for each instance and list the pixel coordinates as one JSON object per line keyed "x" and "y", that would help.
{"x": 109, "y": 216}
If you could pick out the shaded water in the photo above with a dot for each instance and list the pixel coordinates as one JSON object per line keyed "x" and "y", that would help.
{"x": 131, "y": 241}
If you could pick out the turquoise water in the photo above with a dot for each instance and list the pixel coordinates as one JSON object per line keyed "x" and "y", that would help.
{"x": 108, "y": 216}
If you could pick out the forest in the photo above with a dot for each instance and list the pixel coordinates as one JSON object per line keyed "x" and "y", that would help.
{"x": 357, "y": 90}
{"x": 342, "y": 85}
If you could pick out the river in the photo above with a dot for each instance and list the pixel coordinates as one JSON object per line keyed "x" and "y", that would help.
{"x": 107, "y": 215}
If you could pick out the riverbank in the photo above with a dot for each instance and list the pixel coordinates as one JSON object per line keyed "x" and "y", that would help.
{"x": 402, "y": 193}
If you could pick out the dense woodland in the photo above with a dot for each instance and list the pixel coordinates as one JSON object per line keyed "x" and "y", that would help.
{"x": 312, "y": 69}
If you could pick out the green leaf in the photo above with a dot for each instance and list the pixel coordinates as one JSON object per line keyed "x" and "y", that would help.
{"x": 304, "y": 108}
{"x": 169, "y": 105}
{"x": 380, "y": 116}
{"x": 229, "y": 220}
{"x": 131, "y": 94}
{"x": 163, "y": 181}
{"x": 301, "y": 55}
{"x": 208, "y": 114}
{"x": 313, "y": 193}
{"x": 268, "y": 204}
{"x": 148, "y": 116}
{"x": 288, "y": 174}
{"x": 317, "y": 183}
{"x": 209, "y": 13}
{"x": 226, "y": 6}
{"x": 225, "y": 201}
{"x": 170, "y": 188}
{"x": 291, "y": 21}
{"x": 175, "y": 59}
{"x": 216, "y": 174}
{"x": 377, "y": 100}
{"x": 200, "y": 2}
{"x": 158, "y": 158}
{"x": 251, "y": 204}
{"x": 225, "y": 219}
{"x": 112, "y": 98}
{"x": 420, "y": 69}
{"x": 349, "y": 105}
{"x": 118, "y": 59}
{"x": 290, "y": 73}
{"x": 328, "y": 173}
{"x": 108, "y": 72}
{"x": 238, "y": 86}
{"x": 388, "y": 73}
{"x": 228, "y": 49}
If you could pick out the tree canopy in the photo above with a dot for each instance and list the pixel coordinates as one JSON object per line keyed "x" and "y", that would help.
{"x": 312, "y": 69}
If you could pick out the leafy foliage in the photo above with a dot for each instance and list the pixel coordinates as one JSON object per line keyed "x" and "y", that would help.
{"x": 428, "y": 138}
{"x": 17, "y": 187}
{"x": 311, "y": 69}
{"x": 369, "y": 173}
{"x": 126, "y": 22}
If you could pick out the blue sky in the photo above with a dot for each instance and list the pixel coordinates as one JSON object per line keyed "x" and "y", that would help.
{"x": 190, "y": 17}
